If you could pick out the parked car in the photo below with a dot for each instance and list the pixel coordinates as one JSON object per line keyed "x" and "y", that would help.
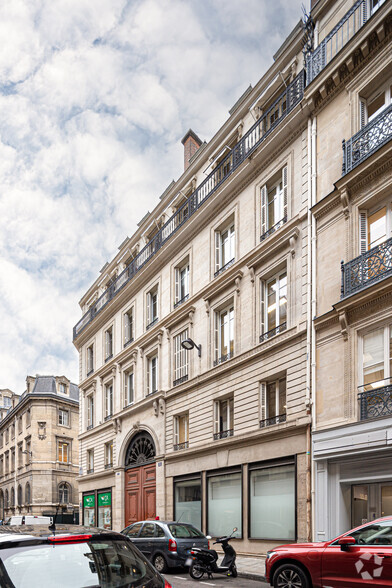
{"x": 77, "y": 557}
{"x": 29, "y": 520}
{"x": 165, "y": 543}
{"x": 360, "y": 557}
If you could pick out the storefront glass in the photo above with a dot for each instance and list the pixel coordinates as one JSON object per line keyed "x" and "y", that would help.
{"x": 89, "y": 510}
{"x": 187, "y": 502}
{"x": 272, "y": 503}
{"x": 224, "y": 504}
{"x": 105, "y": 510}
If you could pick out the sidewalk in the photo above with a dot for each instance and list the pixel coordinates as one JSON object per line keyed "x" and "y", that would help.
{"x": 251, "y": 567}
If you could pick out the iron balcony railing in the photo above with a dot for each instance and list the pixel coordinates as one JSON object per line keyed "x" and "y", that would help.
{"x": 279, "y": 329}
{"x": 223, "y": 434}
{"x": 367, "y": 269}
{"x": 153, "y": 322}
{"x": 179, "y": 446}
{"x": 274, "y": 228}
{"x": 223, "y": 358}
{"x": 340, "y": 35}
{"x": 275, "y": 420}
{"x": 180, "y": 380}
{"x": 376, "y": 402}
{"x": 370, "y": 138}
{"x": 224, "y": 267}
{"x": 183, "y": 299}
{"x": 108, "y": 466}
{"x": 263, "y": 127}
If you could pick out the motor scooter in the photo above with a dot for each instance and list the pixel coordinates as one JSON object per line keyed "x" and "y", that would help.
{"x": 204, "y": 561}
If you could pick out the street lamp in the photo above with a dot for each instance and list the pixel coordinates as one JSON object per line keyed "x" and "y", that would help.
{"x": 189, "y": 344}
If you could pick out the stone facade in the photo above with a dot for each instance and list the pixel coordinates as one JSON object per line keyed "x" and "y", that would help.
{"x": 39, "y": 449}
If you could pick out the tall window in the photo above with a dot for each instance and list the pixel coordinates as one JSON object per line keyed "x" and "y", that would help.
{"x": 181, "y": 432}
{"x": 223, "y": 418}
{"x": 375, "y": 226}
{"x": 274, "y": 203}
{"x": 28, "y": 418}
{"x": 12, "y": 460}
{"x": 90, "y": 411}
{"x": 63, "y": 417}
{"x": 12, "y": 496}
{"x": 224, "y": 503}
{"x": 63, "y": 451}
{"x": 108, "y": 400}
{"x": 224, "y": 248}
{"x": 20, "y": 424}
{"x": 180, "y": 359}
{"x": 108, "y": 343}
{"x": 273, "y": 311}
{"x": 90, "y": 359}
{"x": 129, "y": 391}
{"x": 27, "y": 494}
{"x": 90, "y": 461}
{"x": 375, "y": 104}
{"x": 62, "y": 388}
{"x": 20, "y": 499}
{"x": 377, "y": 358}
{"x": 28, "y": 451}
{"x": 224, "y": 334}
{"x": 128, "y": 327}
{"x": 187, "y": 501}
{"x": 109, "y": 454}
{"x": 152, "y": 307}
{"x": 64, "y": 493}
{"x": 152, "y": 374}
{"x": 181, "y": 283}
{"x": 273, "y": 402}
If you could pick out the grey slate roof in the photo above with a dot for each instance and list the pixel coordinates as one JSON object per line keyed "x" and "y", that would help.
{"x": 47, "y": 385}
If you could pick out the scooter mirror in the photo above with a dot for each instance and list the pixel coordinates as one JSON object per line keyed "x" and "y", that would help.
{"x": 235, "y": 529}
{"x": 208, "y": 537}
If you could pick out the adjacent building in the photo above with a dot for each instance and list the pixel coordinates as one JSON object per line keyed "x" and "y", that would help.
{"x": 39, "y": 449}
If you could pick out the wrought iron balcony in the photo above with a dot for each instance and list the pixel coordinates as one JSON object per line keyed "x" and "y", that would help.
{"x": 263, "y": 127}
{"x": 274, "y": 228}
{"x": 128, "y": 342}
{"x": 275, "y": 420}
{"x": 153, "y": 322}
{"x": 107, "y": 417}
{"x": 223, "y": 434}
{"x": 90, "y": 372}
{"x": 90, "y": 471}
{"x": 180, "y": 380}
{"x": 367, "y": 269}
{"x": 224, "y": 267}
{"x": 179, "y": 446}
{"x": 108, "y": 466}
{"x": 375, "y": 402}
{"x": 183, "y": 299}
{"x": 340, "y": 35}
{"x": 223, "y": 358}
{"x": 89, "y": 427}
{"x": 364, "y": 143}
{"x": 279, "y": 329}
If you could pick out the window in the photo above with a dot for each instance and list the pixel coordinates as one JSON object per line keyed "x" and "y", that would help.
{"x": 20, "y": 455}
{"x": 7, "y": 402}
{"x": 181, "y": 283}
{"x": 180, "y": 359}
{"x": 63, "y": 417}
{"x": 128, "y": 327}
{"x": 1, "y": 466}
{"x": 224, "y": 503}
{"x": 273, "y": 402}
{"x": 152, "y": 307}
{"x": 90, "y": 411}
{"x": 371, "y": 107}
{"x": 27, "y": 494}
{"x": 274, "y": 203}
{"x": 20, "y": 501}
{"x": 224, "y": 248}
{"x": 90, "y": 461}
{"x": 20, "y": 424}
{"x": 108, "y": 343}
{"x": 376, "y": 358}
{"x": 1, "y": 439}
{"x": 63, "y": 449}
{"x": 108, "y": 401}
{"x": 12, "y": 460}
{"x": 181, "y": 433}
{"x": 223, "y": 418}
{"x": 64, "y": 493}
{"x": 274, "y": 313}
{"x": 7, "y": 433}
{"x": 148, "y": 530}
{"x": 13, "y": 431}
{"x": 90, "y": 359}
{"x": 109, "y": 455}
{"x": 12, "y": 497}
{"x": 28, "y": 451}
{"x": 129, "y": 391}
{"x": 62, "y": 388}
{"x": 152, "y": 374}
{"x": 375, "y": 5}
{"x": 7, "y": 462}
{"x": 28, "y": 418}
{"x": 224, "y": 334}
{"x": 272, "y": 502}
{"x": 375, "y": 226}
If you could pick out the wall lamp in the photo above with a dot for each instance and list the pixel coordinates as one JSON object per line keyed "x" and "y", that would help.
{"x": 189, "y": 344}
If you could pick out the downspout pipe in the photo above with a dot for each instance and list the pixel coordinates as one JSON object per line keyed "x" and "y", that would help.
{"x": 314, "y": 301}
{"x": 308, "y": 338}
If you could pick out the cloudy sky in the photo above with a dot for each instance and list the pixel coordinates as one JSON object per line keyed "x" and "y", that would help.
{"x": 95, "y": 96}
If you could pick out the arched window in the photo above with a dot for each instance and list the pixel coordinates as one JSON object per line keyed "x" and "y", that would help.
{"x": 20, "y": 500}
{"x": 141, "y": 450}
{"x": 12, "y": 496}
{"x": 7, "y": 500}
{"x": 64, "y": 493}
{"x": 27, "y": 494}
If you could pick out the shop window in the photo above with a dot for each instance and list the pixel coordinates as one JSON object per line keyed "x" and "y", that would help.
{"x": 274, "y": 203}
{"x": 272, "y": 502}
{"x": 90, "y": 359}
{"x": 224, "y": 504}
{"x": 152, "y": 374}
{"x": 273, "y": 306}
{"x": 181, "y": 276}
{"x": 187, "y": 502}
{"x": 89, "y": 510}
{"x": 108, "y": 401}
{"x": 181, "y": 432}
{"x": 224, "y": 247}
{"x": 105, "y": 510}
{"x": 152, "y": 307}
{"x": 224, "y": 334}
{"x": 180, "y": 359}
{"x": 273, "y": 402}
{"x": 129, "y": 390}
{"x": 128, "y": 327}
{"x": 109, "y": 343}
{"x": 223, "y": 418}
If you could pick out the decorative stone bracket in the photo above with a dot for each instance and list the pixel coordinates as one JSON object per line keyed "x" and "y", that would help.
{"x": 41, "y": 430}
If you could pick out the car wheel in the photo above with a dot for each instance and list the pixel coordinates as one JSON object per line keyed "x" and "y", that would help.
{"x": 290, "y": 576}
{"x": 160, "y": 563}
{"x": 196, "y": 571}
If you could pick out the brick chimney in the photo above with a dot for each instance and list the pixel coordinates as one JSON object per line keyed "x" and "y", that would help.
{"x": 191, "y": 144}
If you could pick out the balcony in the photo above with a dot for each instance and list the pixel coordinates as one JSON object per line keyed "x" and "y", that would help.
{"x": 277, "y": 226}
{"x": 179, "y": 446}
{"x": 181, "y": 301}
{"x": 224, "y": 267}
{"x": 152, "y": 323}
{"x": 259, "y": 132}
{"x": 180, "y": 380}
{"x": 223, "y": 434}
{"x": 275, "y": 420}
{"x": 279, "y": 329}
{"x": 367, "y": 269}
{"x": 368, "y": 140}
{"x": 223, "y": 358}
{"x": 375, "y": 403}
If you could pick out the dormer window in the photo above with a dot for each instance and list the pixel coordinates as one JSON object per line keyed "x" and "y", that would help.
{"x": 62, "y": 388}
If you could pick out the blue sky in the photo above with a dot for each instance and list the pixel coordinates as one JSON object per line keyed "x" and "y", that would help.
{"x": 95, "y": 96}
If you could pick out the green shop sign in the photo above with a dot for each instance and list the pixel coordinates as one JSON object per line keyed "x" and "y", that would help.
{"x": 89, "y": 501}
{"x": 105, "y": 499}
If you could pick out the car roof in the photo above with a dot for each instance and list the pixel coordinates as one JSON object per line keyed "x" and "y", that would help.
{"x": 24, "y": 532}
{"x": 162, "y": 522}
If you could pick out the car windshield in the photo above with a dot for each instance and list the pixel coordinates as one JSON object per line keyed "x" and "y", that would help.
{"x": 93, "y": 564}
{"x": 184, "y": 531}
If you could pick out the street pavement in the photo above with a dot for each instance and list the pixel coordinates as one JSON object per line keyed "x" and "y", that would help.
{"x": 183, "y": 580}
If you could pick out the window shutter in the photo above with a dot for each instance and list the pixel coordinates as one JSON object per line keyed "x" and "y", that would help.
{"x": 232, "y": 242}
{"x": 216, "y": 417}
{"x": 176, "y": 430}
{"x": 284, "y": 187}
{"x": 216, "y": 336}
{"x": 125, "y": 388}
{"x": 217, "y": 250}
{"x": 177, "y": 284}
{"x": 362, "y": 113}
{"x": 263, "y": 401}
{"x": 262, "y": 307}
{"x": 126, "y": 328}
{"x": 263, "y": 195}
{"x": 362, "y": 232}
{"x": 148, "y": 308}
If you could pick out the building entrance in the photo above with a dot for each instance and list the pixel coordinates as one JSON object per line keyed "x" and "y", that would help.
{"x": 370, "y": 501}
{"x": 140, "y": 479}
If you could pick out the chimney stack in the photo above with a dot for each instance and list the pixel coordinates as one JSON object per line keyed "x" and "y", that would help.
{"x": 191, "y": 144}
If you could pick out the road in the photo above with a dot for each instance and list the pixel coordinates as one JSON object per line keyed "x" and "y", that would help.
{"x": 181, "y": 580}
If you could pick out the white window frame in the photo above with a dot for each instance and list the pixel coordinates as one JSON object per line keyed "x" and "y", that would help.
{"x": 176, "y": 427}
{"x": 109, "y": 454}
{"x": 181, "y": 278}
{"x": 60, "y": 451}
{"x": 364, "y": 215}
{"x": 109, "y": 343}
{"x": 129, "y": 387}
{"x": 281, "y": 187}
{"x": 129, "y": 326}
{"x": 62, "y": 388}
{"x": 90, "y": 359}
{"x": 264, "y": 408}
{"x": 61, "y": 421}
{"x": 152, "y": 302}
{"x": 225, "y": 244}
{"x": 90, "y": 460}
{"x": 108, "y": 400}
{"x": 385, "y": 89}
{"x": 181, "y": 364}
{"x": 229, "y": 415}
{"x": 387, "y": 352}
{"x": 152, "y": 374}
{"x": 90, "y": 411}
{"x": 264, "y": 283}
{"x": 219, "y": 343}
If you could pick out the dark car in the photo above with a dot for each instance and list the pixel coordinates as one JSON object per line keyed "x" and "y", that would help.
{"x": 165, "y": 543}
{"x": 361, "y": 557}
{"x": 81, "y": 557}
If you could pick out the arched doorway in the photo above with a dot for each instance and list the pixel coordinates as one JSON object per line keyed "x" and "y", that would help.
{"x": 140, "y": 479}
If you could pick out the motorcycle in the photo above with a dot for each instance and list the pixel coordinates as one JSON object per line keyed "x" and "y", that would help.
{"x": 204, "y": 561}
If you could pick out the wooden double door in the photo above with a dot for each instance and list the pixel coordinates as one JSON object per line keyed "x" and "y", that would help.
{"x": 140, "y": 493}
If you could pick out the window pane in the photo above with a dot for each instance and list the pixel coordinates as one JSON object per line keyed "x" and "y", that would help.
{"x": 282, "y": 299}
{"x": 377, "y": 228}
{"x": 187, "y": 496}
{"x": 271, "y": 400}
{"x": 373, "y": 358}
{"x": 376, "y": 105}
{"x": 272, "y": 503}
{"x": 224, "y": 504}
{"x": 271, "y": 305}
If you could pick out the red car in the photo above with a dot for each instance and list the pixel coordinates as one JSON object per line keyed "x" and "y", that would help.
{"x": 361, "y": 557}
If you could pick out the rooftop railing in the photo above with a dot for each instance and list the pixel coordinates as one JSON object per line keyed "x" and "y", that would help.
{"x": 367, "y": 269}
{"x": 263, "y": 127}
